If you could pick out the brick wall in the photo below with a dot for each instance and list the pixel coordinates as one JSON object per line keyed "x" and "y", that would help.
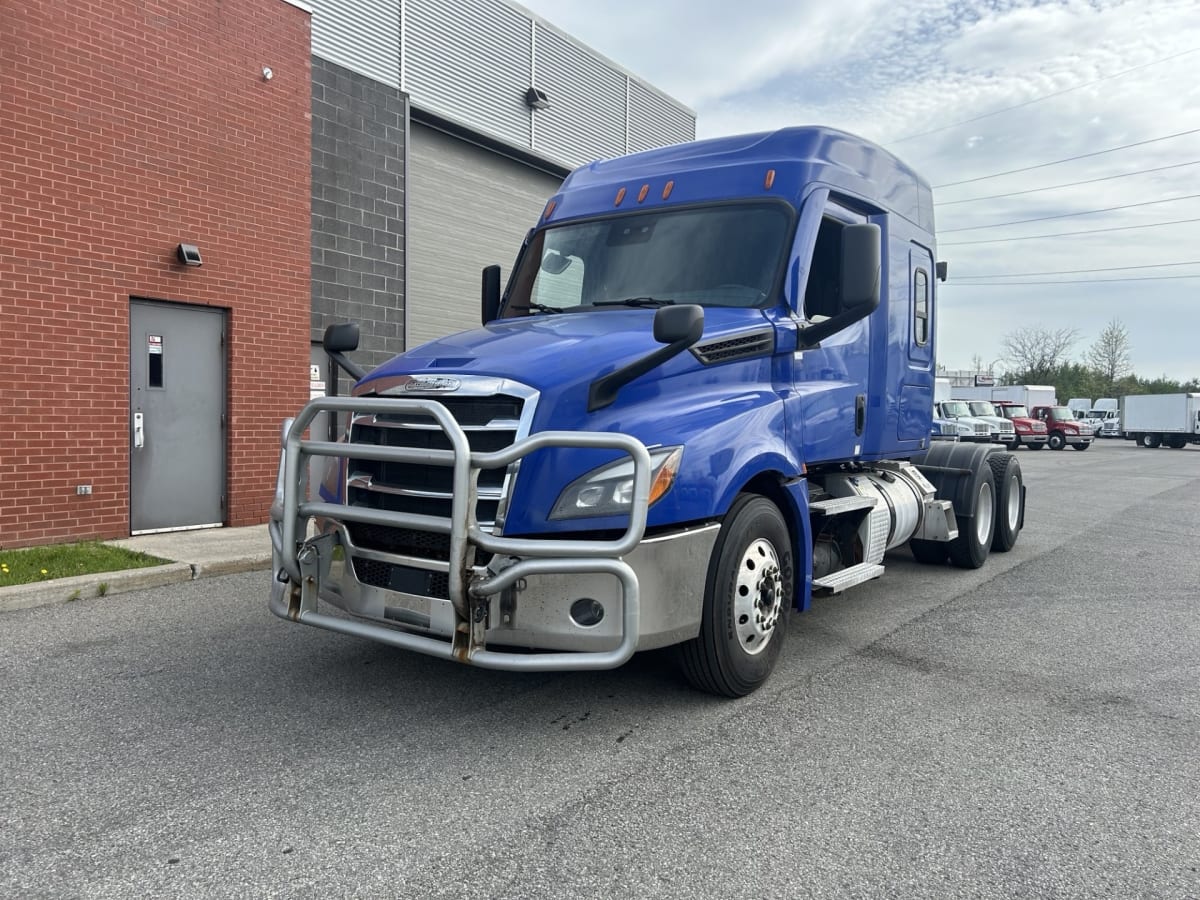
{"x": 126, "y": 127}
{"x": 358, "y": 209}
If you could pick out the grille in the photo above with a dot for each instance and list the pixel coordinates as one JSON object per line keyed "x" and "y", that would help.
{"x": 745, "y": 346}
{"x": 490, "y": 422}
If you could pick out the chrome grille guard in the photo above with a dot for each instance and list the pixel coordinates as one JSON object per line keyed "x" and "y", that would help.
{"x": 298, "y": 561}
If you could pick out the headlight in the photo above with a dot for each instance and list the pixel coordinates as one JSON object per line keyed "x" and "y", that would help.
{"x": 608, "y": 490}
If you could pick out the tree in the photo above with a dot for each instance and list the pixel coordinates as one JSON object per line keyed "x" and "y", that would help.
{"x": 1110, "y": 357}
{"x": 1037, "y": 354}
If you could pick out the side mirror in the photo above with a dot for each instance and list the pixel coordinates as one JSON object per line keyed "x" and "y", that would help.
{"x": 861, "y": 268}
{"x": 341, "y": 338}
{"x": 679, "y": 323}
{"x": 861, "y": 251}
{"x": 490, "y": 294}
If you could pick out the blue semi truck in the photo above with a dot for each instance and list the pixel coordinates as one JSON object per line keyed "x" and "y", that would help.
{"x": 703, "y": 396}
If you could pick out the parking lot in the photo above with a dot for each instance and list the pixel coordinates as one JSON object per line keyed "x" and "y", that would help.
{"x": 1031, "y": 728}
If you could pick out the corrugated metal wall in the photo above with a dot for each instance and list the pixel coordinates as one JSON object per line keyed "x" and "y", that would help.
{"x": 471, "y": 61}
{"x": 467, "y": 208}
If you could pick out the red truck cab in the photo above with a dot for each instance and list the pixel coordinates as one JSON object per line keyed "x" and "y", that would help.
{"x": 1062, "y": 428}
{"x": 1030, "y": 432}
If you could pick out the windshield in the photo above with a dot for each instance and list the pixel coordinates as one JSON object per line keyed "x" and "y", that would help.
{"x": 725, "y": 255}
{"x": 1015, "y": 412}
{"x": 1061, "y": 412}
{"x": 982, "y": 408}
{"x": 955, "y": 408}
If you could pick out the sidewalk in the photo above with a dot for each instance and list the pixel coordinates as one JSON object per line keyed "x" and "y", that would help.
{"x": 191, "y": 554}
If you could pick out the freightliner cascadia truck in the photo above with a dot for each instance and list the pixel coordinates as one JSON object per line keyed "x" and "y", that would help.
{"x": 703, "y": 396}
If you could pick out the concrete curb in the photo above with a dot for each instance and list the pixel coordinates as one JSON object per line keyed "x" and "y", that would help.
{"x": 87, "y": 587}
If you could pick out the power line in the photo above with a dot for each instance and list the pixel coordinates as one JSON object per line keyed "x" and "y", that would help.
{"x": 1055, "y": 187}
{"x": 1034, "y": 237}
{"x": 1068, "y": 159}
{"x": 1078, "y": 281}
{"x": 1194, "y": 262}
{"x": 1086, "y": 212}
{"x": 1077, "y": 87}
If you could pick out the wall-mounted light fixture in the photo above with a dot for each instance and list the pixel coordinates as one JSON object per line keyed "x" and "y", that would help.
{"x": 188, "y": 254}
{"x": 267, "y": 73}
{"x": 536, "y": 99}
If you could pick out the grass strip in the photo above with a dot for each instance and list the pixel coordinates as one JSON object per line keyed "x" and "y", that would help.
{"x": 33, "y": 564}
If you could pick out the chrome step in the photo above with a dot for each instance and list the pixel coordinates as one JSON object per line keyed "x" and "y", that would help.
{"x": 839, "y": 581}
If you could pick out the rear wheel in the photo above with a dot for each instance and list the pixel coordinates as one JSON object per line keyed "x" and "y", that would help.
{"x": 747, "y": 599}
{"x": 970, "y": 549}
{"x": 1149, "y": 440}
{"x": 1006, "y": 473}
{"x": 1177, "y": 442}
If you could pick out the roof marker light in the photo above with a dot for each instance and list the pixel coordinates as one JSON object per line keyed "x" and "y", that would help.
{"x": 670, "y": 186}
{"x": 643, "y": 192}
{"x": 620, "y": 197}
{"x": 549, "y": 209}
{"x": 770, "y": 179}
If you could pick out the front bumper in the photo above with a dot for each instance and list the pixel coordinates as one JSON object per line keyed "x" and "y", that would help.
{"x": 1036, "y": 438}
{"x": 578, "y": 604}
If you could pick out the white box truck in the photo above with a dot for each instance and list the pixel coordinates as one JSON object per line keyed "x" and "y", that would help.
{"x": 1161, "y": 420}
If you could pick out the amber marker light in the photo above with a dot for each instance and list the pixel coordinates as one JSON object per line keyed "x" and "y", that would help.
{"x": 670, "y": 186}
{"x": 643, "y": 192}
{"x": 549, "y": 209}
{"x": 770, "y": 180}
{"x": 665, "y": 477}
{"x": 620, "y": 197}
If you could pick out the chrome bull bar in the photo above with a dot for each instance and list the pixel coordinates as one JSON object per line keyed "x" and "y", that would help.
{"x": 297, "y": 560}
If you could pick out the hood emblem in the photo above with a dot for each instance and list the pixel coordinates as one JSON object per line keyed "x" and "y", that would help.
{"x": 432, "y": 384}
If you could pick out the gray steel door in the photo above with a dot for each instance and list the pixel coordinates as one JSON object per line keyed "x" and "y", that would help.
{"x": 467, "y": 208}
{"x": 176, "y": 416}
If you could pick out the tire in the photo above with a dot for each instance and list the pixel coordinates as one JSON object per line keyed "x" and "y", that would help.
{"x": 975, "y": 530}
{"x": 1010, "y": 501}
{"x": 1057, "y": 441}
{"x": 1080, "y": 446}
{"x": 1038, "y": 446}
{"x": 748, "y": 597}
{"x": 1149, "y": 440}
{"x": 1012, "y": 445}
{"x": 1176, "y": 442}
{"x": 928, "y": 553}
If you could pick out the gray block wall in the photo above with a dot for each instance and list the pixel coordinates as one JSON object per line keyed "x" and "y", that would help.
{"x": 358, "y": 252}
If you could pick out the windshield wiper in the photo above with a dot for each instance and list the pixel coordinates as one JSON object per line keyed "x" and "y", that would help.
{"x": 635, "y": 301}
{"x": 540, "y": 307}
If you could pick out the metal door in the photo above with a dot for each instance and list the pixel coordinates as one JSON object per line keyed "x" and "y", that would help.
{"x": 176, "y": 416}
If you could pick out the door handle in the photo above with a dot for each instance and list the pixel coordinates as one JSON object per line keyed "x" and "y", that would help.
{"x": 139, "y": 431}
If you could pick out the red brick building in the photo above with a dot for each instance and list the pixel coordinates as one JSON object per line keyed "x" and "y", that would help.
{"x": 127, "y": 128}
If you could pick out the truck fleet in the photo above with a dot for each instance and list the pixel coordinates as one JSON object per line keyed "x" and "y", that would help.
{"x": 703, "y": 396}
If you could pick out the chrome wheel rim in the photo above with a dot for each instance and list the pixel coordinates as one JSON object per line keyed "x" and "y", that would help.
{"x": 757, "y": 596}
{"x": 984, "y": 514}
{"x": 1014, "y": 502}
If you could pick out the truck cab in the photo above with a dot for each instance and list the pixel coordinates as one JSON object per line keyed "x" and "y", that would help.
{"x": 1003, "y": 431}
{"x": 969, "y": 428}
{"x": 1028, "y": 431}
{"x": 1062, "y": 428}
{"x": 704, "y": 395}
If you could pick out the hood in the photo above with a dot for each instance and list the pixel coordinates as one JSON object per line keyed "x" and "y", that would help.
{"x": 553, "y": 352}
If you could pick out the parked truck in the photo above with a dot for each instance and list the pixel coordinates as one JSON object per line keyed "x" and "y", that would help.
{"x": 703, "y": 395}
{"x": 1161, "y": 420}
{"x": 1027, "y": 431}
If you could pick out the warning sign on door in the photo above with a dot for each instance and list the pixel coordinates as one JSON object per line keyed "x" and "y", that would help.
{"x": 154, "y": 343}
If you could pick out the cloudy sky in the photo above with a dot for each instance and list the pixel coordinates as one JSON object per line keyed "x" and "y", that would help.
{"x": 965, "y": 90}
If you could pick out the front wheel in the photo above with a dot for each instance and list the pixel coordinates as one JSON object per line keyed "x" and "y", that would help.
{"x": 1057, "y": 441}
{"x": 1081, "y": 446}
{"x": 747, "y": 598}
{"x": 1038, "y": 446}
{"x": 1012, "y": 445}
